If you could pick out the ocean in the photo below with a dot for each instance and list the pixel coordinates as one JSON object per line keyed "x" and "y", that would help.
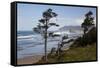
{"x": 30, "y": 43}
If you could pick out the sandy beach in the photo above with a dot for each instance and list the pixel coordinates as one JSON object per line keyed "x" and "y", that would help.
{"x": 29, "y": 60}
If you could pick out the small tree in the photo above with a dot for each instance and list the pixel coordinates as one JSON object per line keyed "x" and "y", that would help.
{"x": 44, "y": 25}
{"x": 88, "y": 21}
{"x": 88, "y": 26}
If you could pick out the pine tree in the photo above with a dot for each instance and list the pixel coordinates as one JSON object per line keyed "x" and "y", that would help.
{"x": 44, "y": 25}
{"x": 88, "y": 21}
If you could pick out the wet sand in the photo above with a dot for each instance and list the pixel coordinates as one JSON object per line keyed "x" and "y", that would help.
{"x": 29, "y": 60}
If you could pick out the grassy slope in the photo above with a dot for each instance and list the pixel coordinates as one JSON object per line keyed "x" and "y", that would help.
{"x": 74, "y": 54}
{"x": 80, "y": 54}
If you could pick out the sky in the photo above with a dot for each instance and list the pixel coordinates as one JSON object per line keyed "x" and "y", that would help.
{"x": 29, "y": 14}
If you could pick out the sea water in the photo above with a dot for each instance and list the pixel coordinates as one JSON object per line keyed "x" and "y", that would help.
{"x": 30, "y": 43}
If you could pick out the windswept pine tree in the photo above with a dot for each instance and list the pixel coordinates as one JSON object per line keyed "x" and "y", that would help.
{"x": 88, "y": 21}
{"x": 44, "y": 24}
{"x": 89, "y": 35}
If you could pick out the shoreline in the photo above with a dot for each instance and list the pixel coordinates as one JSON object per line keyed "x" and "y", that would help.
{"x": 34, "y": 59}
{"x": 29, "y": 60}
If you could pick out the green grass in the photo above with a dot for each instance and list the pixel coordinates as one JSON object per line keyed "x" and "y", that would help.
{"x": 79, "y": 54}
{"x": 86, "y": 53}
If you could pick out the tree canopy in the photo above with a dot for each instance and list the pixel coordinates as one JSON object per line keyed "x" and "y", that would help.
{"x": 88, "y": 21}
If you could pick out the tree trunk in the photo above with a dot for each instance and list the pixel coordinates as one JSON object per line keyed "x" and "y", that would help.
{"x": 58, "y": 50}
{"x": 46, "y": 42}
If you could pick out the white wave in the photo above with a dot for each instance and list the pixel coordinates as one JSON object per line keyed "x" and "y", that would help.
{"x": 34, "y": 38}
{"x": 25, "y": 37}
{"x": 28, "y": 36}
{"x": 62, "y": 32}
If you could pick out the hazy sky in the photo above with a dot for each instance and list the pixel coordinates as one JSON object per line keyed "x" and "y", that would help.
{"x": 29, "y": 14}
